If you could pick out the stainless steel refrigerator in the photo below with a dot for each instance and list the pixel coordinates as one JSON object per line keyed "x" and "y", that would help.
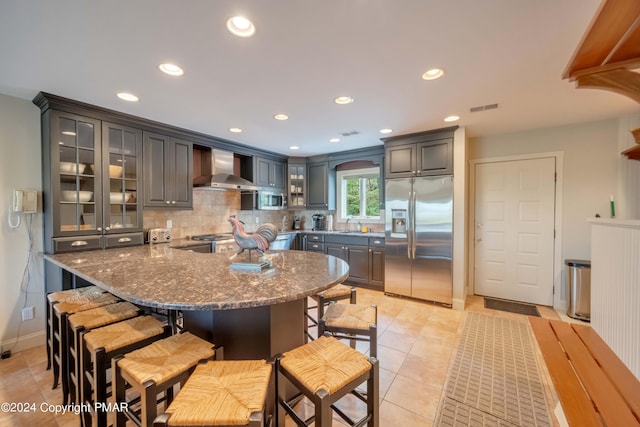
{"x": 418, "y": 237}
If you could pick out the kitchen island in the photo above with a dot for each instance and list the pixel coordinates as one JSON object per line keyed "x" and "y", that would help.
{"x": 251, "y": 314}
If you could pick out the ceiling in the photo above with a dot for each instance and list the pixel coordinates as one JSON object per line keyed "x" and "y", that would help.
{"x": 303, "y": 55}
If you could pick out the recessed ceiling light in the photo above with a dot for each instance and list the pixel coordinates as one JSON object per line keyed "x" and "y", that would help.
{"x": 386, "y": 130}
{"x": 235, "y": 130}
{"x": 127, "y": 96}
{"x": 171, "y": 69}
{"x": 294, "y": 147}
{"x": 342, "y": 100}
{"x": 452, "y": 118}
{"x": 241, "y": 26}
{"x": 433, "y": 74}
{"x": 334, "y": 140}
{"x": 280, "y": 117}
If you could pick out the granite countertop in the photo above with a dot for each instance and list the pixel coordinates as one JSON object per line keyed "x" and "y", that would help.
{"x": 344, "y": 233}
{"x": 163, "y": 277}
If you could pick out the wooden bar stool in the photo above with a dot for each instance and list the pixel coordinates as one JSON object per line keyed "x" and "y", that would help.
{"x": 85, "y": 321}
{"x": 53, "y": 298}
{"x": 356, "y": 322}
{"x": 60, "y": 328}
{"x": 100, "y": 346}
{"x": 155, "y": 369}
{"x": 325, "y": 370}
{"x": 221, "y": 393}
{"x": 324, "y": 298}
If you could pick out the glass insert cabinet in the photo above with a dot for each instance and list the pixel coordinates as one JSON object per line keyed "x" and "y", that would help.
{"x": 297, "y": 186}
{"x": 94, "y": 182}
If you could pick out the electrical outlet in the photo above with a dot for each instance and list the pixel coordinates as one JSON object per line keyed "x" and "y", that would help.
{"x": 169, "y": 223}
{"x": 28, "y": 313}
{"x": 257, "y": 220}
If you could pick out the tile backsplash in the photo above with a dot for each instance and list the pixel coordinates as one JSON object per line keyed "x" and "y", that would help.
{"x": 211, "y": 208}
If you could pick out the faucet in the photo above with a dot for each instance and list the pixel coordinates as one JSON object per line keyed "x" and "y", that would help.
{"x": 346, "y": 226}
{"x": 359, "y": 226}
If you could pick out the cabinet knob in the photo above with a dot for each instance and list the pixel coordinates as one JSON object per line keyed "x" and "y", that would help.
{"x": 107, "y": 229}
{"x": 173, "y": 202}
{"x": 99, "y": 229}
{"x": 168, "y": 202}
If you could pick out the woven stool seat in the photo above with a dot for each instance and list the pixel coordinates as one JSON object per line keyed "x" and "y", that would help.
{"x": 221, "y": 393}
{"x": 156, "y": 369}
{"x": 123, "y": 333}
{"x": 84, "y": 302}
{"x": 165, "y": 358}
{"x": 326, "y": 370}
{"x": 352, "y": 316}
{"x": 104, "y": 315}
{"x": 336, "y": 291}
{"x": 70, "y": 293}
{"x": 325, "y": 364}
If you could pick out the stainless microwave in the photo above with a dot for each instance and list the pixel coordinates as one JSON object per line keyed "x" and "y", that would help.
{"x": 267, "y": 200}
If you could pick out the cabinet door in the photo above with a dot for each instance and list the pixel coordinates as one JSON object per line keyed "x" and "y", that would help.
{"x": 336, "y": 250}
{"x": 122, "y": 166}
{"x": 76, "y": 175}
{"x": 262, "y": 172}
{"x": 168, "y": 172}
{"x": 279, "y": 175}
{"x": 400, "y": 161}
{"x": 376, "y": 267}
{"x": 435, "y": 157}
{"x": 358, "y": 259}
{"x": 297, "y": 186}
{"x": 317, "y": 197}
{"x": 180, "y": 159}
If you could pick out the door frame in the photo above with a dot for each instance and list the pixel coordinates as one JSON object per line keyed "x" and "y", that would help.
{"x": 558, "y": 300}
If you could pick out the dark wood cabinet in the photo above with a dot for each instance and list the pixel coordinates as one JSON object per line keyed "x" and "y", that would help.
{"x": 91, "y": 179}
{"x": 168, "y": 172}
{"x": 420, "y": 154}
{"x": 321, "y": 187}
{"x": 364, "y": 255}
{"x": 297, "y": 188}
{"x": 269, "y": 173}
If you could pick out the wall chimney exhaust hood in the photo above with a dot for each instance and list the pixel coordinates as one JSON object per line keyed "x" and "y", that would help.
{"x": 217, "y": 173}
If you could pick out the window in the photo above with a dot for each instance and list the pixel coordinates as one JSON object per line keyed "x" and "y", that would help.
{"x": 359, "y": 194}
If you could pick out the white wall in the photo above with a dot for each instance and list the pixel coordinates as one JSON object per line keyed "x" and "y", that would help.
{"x": 20, "y": 168}
{"x": 591, "y": 164}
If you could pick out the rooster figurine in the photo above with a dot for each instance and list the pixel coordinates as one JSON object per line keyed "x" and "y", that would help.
{"x": 259, "y": 240}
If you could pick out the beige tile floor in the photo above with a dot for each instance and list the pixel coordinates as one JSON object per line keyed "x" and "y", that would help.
{"x": 415, "y": 346}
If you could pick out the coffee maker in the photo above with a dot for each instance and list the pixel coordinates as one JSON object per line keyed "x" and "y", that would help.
{"x": 318, "y": 222}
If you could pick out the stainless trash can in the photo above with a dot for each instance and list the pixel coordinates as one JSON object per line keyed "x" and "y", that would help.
{"x": 578, "y": 275}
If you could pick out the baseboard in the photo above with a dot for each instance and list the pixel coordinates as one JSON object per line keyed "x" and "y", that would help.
{"x": 25, "y": 342}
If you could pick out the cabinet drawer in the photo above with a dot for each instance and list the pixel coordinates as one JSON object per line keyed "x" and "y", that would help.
{"x": 376, "y": 241}
{"x": 315, "y": 237}
{"x": 347, "y": 240}
{"x": 316, "y": 247}
{"x": 73, "y": 244}
{"x": 128, "y": 239}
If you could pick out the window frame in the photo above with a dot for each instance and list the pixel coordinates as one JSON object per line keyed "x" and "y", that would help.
{"x": 341, "y": 194}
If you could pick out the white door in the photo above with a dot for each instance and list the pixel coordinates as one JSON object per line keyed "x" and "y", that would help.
{"x": 514, "y": 230}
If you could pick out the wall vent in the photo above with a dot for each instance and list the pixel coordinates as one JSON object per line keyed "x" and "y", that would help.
{"x": 349, "y": 133}
{"x": 483, "y": 108}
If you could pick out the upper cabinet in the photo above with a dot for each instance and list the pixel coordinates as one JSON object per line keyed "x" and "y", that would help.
{"x": 297, "y": 183}
{"x": 168, "y": 172}
{"x": 91, "y": 182}
{"x": 321, "y": 186}
{"x": 420, "y": 154}
{"x": 269, "y": 173}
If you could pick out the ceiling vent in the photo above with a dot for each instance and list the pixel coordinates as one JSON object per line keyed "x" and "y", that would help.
{"x": 483, "y": 108}
{"x": 349, "y": 133}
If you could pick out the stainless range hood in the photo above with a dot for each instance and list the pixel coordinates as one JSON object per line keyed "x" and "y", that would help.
{"x": 221, "y": 174}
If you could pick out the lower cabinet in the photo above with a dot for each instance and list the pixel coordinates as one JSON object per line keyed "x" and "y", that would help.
{"x": 364, "y": 255}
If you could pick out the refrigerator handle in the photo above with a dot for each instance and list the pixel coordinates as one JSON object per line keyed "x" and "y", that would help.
{"x": 409, "y": 226}
{"x": 413, "y": 226}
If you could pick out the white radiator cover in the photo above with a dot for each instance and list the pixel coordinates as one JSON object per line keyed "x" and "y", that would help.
{"x": 615, "y": 287}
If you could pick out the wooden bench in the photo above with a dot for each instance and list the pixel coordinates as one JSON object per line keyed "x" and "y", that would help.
{"x": 594, "y": 387}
